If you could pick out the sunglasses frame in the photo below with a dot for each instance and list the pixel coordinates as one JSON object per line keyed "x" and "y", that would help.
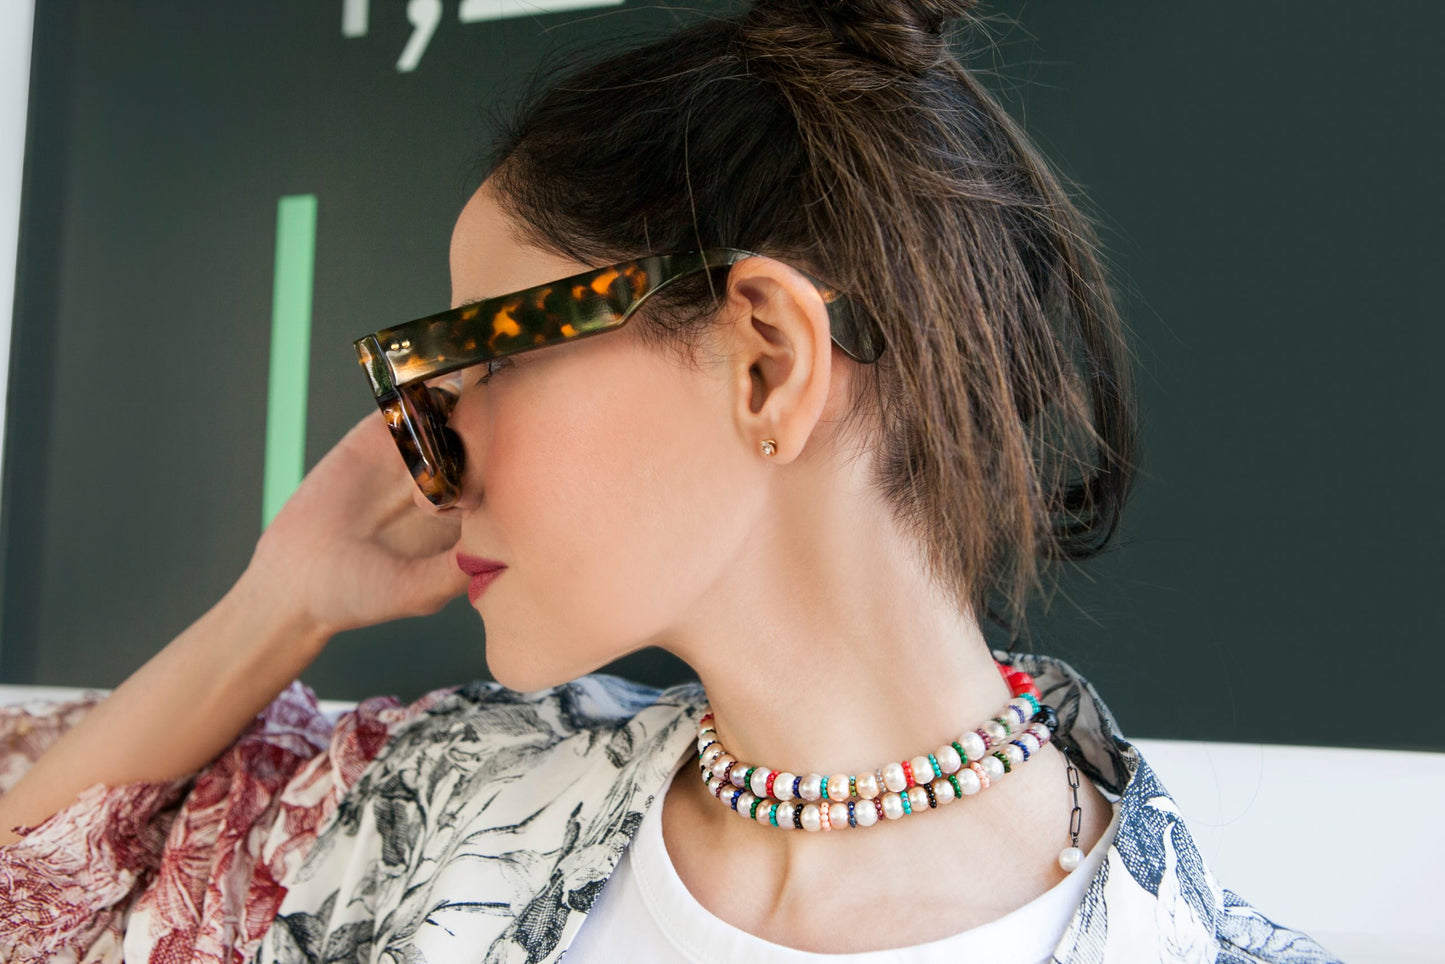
{"x": 399, "y": 361}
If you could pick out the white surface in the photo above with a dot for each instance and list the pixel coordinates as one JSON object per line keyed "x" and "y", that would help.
{"x": 1345, "y": 845}
{"x": 16, "y": 19}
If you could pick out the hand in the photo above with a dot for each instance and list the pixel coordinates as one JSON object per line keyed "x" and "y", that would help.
{"x": 351, "y": 547}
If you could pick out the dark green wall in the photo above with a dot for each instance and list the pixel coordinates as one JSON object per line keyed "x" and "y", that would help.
{"x": 1266, "y": 181}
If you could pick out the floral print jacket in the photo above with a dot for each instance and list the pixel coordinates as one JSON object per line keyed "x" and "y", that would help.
{"x": 479, "y": 824}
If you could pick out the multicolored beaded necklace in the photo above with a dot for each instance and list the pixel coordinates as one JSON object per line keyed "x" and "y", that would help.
{"x": 974, "y": 761}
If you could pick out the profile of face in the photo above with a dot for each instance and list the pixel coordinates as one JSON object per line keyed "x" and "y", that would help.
{"x": 617, "y": 484}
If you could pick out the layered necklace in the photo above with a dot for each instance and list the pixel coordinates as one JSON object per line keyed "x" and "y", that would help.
{"x": 970, "y": 764}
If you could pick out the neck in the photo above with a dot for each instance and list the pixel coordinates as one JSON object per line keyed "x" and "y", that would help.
{"x": 842, "y": 671}
{"x": 857, "y": 701}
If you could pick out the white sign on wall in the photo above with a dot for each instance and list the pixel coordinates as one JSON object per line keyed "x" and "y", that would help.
{"x": 426, "y": 15}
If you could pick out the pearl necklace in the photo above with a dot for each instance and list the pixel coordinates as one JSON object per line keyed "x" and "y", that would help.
{"x": 963, "y": 767}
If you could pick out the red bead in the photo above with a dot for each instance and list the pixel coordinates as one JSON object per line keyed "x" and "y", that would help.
{"x": 772, "y": 775}
{"x": 908, "y": 773}
{"x": 1031, "y": 690}
{"x": 1019, "y": 681}
{"x": 1004, "y": 669}
{"x": 705, "y": 718}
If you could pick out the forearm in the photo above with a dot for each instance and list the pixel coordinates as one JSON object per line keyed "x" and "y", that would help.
{"x": 179, "y": 710}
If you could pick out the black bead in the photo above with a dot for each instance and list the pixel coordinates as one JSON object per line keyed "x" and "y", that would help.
{"x": 1047, "y": 717}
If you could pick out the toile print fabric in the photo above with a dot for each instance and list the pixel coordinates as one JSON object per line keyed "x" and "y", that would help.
{"x": 479, "y": 824}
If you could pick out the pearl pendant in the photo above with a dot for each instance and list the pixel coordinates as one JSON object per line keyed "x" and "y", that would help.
{"x": 1069, "y": 859}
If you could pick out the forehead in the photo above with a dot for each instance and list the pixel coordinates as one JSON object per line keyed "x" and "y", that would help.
{"x": 488, "y": 259}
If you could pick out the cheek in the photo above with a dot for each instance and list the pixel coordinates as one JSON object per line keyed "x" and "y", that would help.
{"x": 616, "y": 510}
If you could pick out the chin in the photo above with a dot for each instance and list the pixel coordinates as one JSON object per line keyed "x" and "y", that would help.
{"x": 516, "y": 671}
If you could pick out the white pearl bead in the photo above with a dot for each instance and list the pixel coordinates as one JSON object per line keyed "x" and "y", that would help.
{"x": 1021, "y": 712}
{"x": 968, "y": 782}
{"x": 972, "y": 745}
{"x": 865, "y": 814}
{"x": 811, "y": 788}
{"x": 948, "y": 759}
{"x": 764, "y": 809}
{"x": 783, "y": 786}
{"x": 759, "y": 783}
{"x": 811, "y": 818}
{"x": 838, "y": 815}
{"x": 838, "y": 789}
{"x": 892, "y": 806}
{"x": 1069, "y": 858}
{"x": 1030, "y": 742}
{"x": 745, "y": 805}
{"x": 1014, "y": 755}
{"x": 993, "y": 766}
{"x": 710, "y": 755}
{"x": 1041, "y": 733}
{"x": 943, "y": 790}
{"x": 893, "y": 777}
{"x": 740, "y": 771}
{"x": 785, "y": 815}
{"x": 722, "y": 763}
{"x": 922, "y": 769}
{"x": 996, "y": 733}
{"x": 917, "y": 799}
{"x": 714, "y": 785}
{"x": 867, "y": 785}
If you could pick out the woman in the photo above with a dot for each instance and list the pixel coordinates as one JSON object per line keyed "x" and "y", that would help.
{"x": 776, "y": 345}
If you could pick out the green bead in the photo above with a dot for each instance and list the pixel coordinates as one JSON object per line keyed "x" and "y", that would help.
{"x": 961, "y": 755}
{"x": 957, "y": 790}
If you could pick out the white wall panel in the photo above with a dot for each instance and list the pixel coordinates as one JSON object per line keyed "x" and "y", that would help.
{"x": 16, "y": 18}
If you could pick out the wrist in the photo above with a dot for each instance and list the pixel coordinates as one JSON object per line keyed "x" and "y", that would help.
{"x": 273, "y": 617}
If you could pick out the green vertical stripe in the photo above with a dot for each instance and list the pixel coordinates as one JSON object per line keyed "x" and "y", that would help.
{"x": 290, "y": 351}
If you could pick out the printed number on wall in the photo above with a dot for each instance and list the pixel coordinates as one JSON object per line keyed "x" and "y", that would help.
{"x": 426, "y": 15}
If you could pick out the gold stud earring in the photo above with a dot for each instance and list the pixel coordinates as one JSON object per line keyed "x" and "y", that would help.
{"x": 769, "y": 446}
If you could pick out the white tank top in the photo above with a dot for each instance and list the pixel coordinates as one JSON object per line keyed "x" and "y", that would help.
{"x": 646, "y": 912}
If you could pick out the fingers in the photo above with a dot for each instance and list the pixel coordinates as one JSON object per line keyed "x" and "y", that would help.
{"x": 433, "y": 582}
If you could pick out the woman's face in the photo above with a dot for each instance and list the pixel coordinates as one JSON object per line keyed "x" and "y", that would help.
{"x": 609, "y": 478}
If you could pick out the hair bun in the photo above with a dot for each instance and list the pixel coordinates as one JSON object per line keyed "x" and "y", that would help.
{"x": 908, "y": 35}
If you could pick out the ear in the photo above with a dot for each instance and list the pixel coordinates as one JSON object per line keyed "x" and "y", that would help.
{"x": 780, "y": 357}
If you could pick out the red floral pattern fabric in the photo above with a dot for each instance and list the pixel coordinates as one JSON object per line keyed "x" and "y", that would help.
{"x": 185, "y": 870}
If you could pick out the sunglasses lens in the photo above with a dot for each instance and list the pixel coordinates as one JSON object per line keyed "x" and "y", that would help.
{"x": 417, "y": 416}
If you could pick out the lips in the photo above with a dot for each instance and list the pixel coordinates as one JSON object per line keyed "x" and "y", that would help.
{"x": 482, "y": 571}
{"x": 476, "y": 565}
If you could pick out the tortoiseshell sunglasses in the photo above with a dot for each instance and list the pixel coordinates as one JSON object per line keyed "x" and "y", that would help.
{"x": 404, "y": 363}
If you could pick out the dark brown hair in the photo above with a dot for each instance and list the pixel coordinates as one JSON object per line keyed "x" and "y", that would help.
{"x": 848, "y": 140}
